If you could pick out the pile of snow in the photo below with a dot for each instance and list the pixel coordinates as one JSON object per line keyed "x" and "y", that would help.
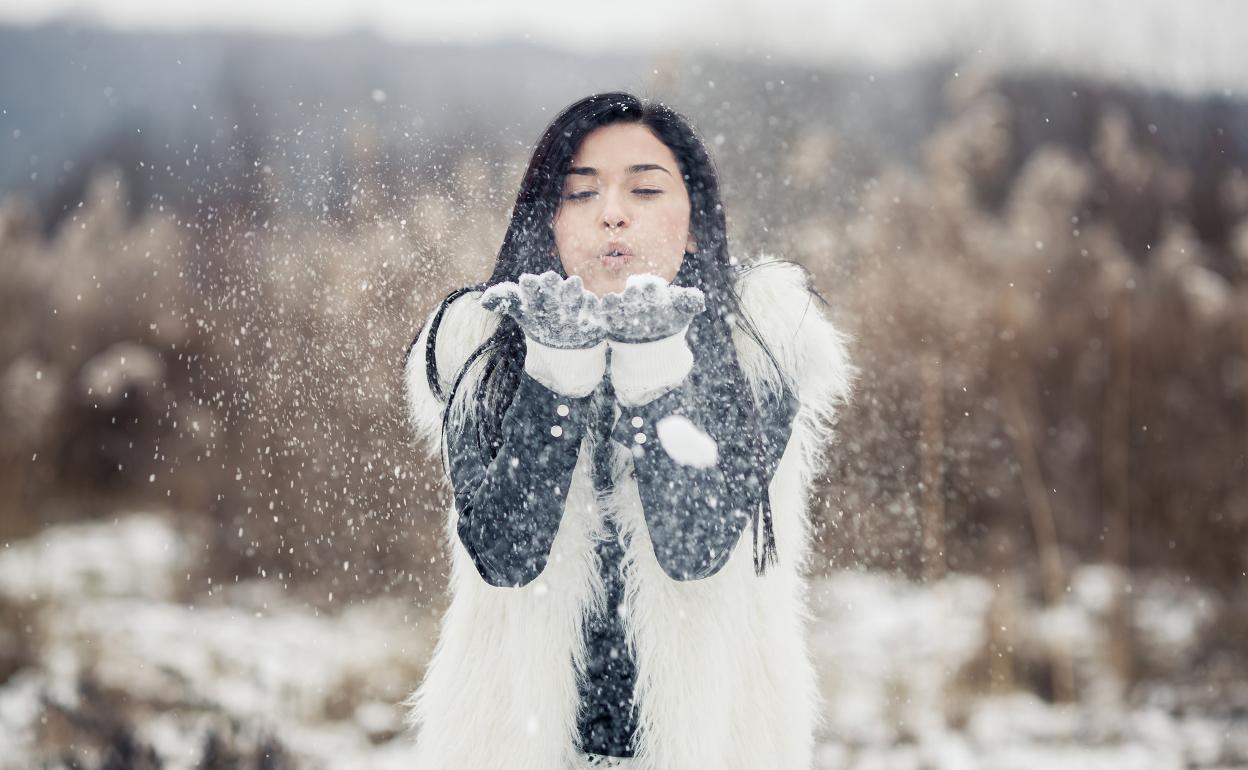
{"x": 248, "y": 673}
{"x": 892, "y": 656}
{"x": 285, "y": 663}
{"x": 247, "y": 664}
{"x": 887, "y": 650}
{"x": 138, "y": 556}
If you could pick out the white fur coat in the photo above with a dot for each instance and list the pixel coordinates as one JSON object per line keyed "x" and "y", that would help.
{"x": 724, "y": 679}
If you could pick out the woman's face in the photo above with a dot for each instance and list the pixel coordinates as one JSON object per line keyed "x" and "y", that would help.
{"x": 623, "y": 193}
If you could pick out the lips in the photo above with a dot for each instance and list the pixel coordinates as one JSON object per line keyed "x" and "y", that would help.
{"x": 617, "y": 249}
{"x": 616, "y": 255}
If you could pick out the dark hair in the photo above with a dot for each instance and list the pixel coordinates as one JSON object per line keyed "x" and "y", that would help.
{"x": 528, "y": 248}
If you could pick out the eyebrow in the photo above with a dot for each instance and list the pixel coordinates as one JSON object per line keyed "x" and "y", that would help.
{"x": 634, "y": 169}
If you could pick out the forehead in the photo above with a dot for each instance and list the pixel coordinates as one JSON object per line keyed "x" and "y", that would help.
{"x": 612, "y": 148}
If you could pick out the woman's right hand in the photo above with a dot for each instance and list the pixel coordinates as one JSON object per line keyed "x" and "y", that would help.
{"x": 555, "y": 311}
{"x": 565, "y": 342}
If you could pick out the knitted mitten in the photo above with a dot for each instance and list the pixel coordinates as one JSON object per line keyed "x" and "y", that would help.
{"x": 646, "y": 328}
{"x": 565, "y": 349}
{"x": 649, "y": 309}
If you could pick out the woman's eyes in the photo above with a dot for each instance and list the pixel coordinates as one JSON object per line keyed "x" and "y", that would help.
{"x": 580, "y": 196}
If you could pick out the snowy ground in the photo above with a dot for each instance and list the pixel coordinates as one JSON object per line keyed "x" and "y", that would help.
{"x": 118, "y": 673}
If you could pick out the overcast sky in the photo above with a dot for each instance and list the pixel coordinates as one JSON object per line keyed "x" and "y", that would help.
{"x": 1188, "y": 45}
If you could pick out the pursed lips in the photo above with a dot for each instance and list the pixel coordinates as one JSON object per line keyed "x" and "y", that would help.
{"x": 617, "y": 249}
{"x": 616, "y": 256}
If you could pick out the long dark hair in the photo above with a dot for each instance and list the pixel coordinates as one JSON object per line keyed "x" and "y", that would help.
{"x": 528, "y": 248}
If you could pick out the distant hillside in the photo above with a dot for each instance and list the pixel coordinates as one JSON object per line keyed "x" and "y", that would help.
{"x": 190, "y": 116}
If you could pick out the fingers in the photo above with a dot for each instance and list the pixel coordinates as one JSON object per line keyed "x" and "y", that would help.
{"x": 570, "y": 292}
{"x": 635, "y": 298}
{"x": 531, "y": 297}
{"x": 689, "y": 300}
{"x": 502, "y": 298}
{"x": 591, "y": 307}
{"x": 648, "y": 307}
{"x": 611, "y": 303}
{"x": 638, "y": 308}
{"x": 650, "y": 294}
{"x": 541, "y": 293}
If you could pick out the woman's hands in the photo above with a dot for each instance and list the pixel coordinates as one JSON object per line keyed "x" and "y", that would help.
{"x": 561, "y": 313}
{"x": 568, "y": 330}
{"x": 646, "y": 326}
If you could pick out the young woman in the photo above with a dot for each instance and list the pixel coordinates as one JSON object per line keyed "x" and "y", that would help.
{"x": 615, "y": 406}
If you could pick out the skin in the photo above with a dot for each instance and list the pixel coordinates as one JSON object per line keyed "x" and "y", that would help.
{"x": 646, "y": 209}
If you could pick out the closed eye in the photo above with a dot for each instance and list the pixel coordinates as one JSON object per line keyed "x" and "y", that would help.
{"x": 580, "y": 196}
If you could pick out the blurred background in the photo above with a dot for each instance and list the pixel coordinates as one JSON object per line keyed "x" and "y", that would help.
{"x": 221, "y": 224}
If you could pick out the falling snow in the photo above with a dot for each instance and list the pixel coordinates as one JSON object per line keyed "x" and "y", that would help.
{"x": 217, "y": 536}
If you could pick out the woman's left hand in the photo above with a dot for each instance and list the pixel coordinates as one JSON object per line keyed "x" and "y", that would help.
{"x": 649, "y": 309}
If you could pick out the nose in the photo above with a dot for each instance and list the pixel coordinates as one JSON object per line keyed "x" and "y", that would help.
{"x": 613, "y": 213}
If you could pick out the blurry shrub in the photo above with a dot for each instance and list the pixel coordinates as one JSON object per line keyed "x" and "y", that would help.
{"x": 1046, "y": 336}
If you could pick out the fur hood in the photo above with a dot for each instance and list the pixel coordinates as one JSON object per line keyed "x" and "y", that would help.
{"x": 724, "y": 679}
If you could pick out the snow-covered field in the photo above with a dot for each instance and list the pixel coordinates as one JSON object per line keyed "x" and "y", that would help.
{"x": 119, "y": 673}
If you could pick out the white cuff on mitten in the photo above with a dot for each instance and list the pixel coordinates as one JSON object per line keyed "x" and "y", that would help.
{"x": 571, "y": 372}
{"x": 642, "y": 371}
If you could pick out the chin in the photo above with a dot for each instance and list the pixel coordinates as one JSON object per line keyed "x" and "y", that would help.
{"x": 604, "y": 286}
{"x": 611, "y": 281}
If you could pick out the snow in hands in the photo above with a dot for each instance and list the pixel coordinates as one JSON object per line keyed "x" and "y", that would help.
{"x": 561, "y": 313}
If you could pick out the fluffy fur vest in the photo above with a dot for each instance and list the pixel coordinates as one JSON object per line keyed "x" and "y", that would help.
{"x": 724, "y": 679}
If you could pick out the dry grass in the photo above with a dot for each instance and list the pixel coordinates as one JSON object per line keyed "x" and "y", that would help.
{"x": 1056, "y": 365}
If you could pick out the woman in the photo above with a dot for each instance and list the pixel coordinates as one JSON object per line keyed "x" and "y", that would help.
{"x": 614, "y": 406}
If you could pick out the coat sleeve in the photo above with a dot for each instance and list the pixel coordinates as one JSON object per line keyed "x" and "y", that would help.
{"x": 509, "y": 498}
{"x": 511, "y": 502}
{"x": 695, "y": 515}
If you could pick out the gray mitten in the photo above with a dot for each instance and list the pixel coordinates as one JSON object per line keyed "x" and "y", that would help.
{"x": 646, "y": 327}
{"x": 649, "y": 309}
{"x": 565, "y": 349}
{"x": 552, "y": 310}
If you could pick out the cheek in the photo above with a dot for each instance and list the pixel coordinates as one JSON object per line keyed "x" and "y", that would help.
{"x": 672, "y": 234}
{"x": 670, "y": 222}
{"x": 569, "y": 240}
{"x": 571, "y": 234}
{"x": 676, "y": 226}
